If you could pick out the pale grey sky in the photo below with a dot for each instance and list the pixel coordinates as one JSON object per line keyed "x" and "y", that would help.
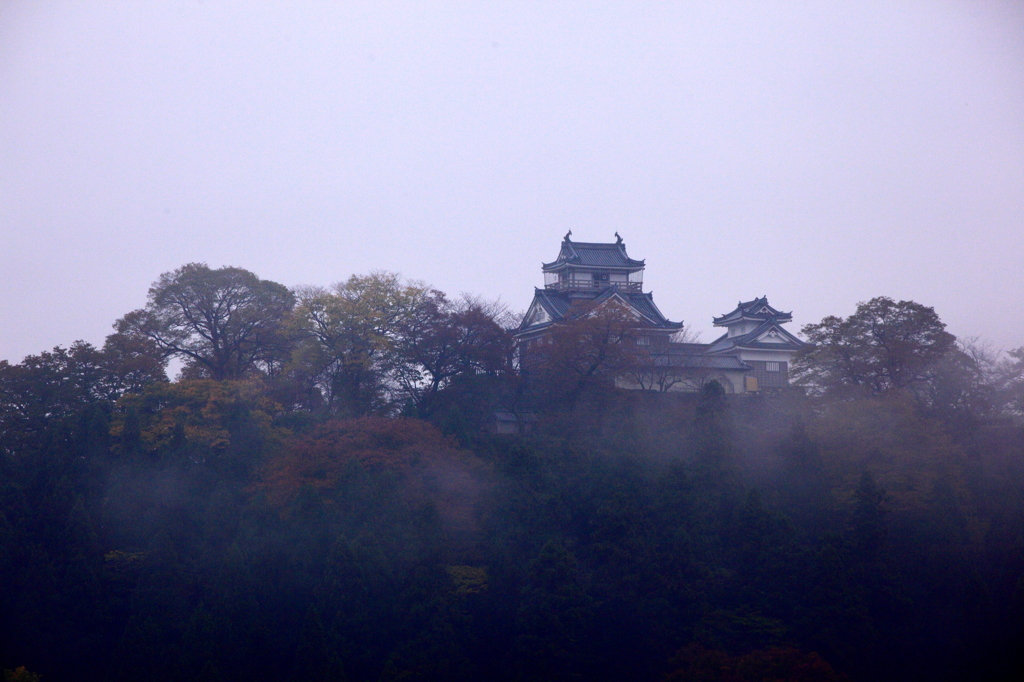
{"x": 819, "y": 153}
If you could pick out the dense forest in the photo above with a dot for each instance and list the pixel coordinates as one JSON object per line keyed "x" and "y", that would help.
{"x": 319, "y": 494}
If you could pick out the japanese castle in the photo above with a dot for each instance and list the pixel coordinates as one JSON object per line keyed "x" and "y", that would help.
{"x": 752, "y": 355}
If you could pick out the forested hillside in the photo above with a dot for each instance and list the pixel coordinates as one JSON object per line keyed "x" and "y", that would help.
{"x": 319, "y": 496}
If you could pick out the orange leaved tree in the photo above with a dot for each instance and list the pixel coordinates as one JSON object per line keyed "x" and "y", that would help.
{"x": 398, "y": 465}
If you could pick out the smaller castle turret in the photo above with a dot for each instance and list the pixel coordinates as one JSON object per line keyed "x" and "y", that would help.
{"x": 755, "y": 336}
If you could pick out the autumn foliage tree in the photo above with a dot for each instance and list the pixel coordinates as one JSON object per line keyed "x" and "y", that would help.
{"x": 58, "y": 388}
{"x": 325, "y": 456}
{"x": 216, "y": 420}
{"x": 409, "y": 464}
{"x": 885, "y": 345}
{"x": 593, "y": 346}
{"x": 376, "y": 342}
{"x": 351, "y": 334}
{"x": 452, "y": 339}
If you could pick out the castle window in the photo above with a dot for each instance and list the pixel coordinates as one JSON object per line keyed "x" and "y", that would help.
{"x": 771, "y": 367}
{"x": 643, "y": 341}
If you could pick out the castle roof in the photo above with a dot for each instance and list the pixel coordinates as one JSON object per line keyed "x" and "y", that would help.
{"x": 550, "y": 306}
{"x": 757, "y": 309}
{"x": 694, "y": 356}
{"x": 593, "y": 254}
{"x": 768, "y": 335}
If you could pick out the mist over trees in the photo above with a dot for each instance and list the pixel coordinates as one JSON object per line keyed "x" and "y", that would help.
{"x": 321, "y": 495}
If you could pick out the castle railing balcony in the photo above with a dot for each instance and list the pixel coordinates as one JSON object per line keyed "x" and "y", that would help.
{"x": 592, "y": 285}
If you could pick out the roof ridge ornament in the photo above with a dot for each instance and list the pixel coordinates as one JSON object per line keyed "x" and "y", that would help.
{"x": 618, "y": 238}
{"x": 567, "y": 235}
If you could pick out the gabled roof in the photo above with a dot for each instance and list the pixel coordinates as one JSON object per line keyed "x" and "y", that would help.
{"x": 758, "y": 310}
{"x": 553, "y": 306}
{"x": 753, "y": 340}
{"x": 644, "y": 304}
{"x": 558, "y": 306}
{"x": 593, "y": 254}
{"x": 695, "y": 355}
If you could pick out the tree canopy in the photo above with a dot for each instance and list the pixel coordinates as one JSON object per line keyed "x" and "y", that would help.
{"x": 594, "y": 345}
{"x": 885, "y": 345}
{"x": 335, "y": 505}
{"x": 351, "y": 334}
{"x": 223, "y": 323}
{"x": 374, "y": 342}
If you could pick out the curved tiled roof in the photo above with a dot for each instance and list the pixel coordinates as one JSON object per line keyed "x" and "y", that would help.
{"x": 749, "y": 340}
{"x": 593, "y": 254}
{"x": 558, "y": 305}
{"x": 757, "y": 309}
{"x": 644, "y": 303}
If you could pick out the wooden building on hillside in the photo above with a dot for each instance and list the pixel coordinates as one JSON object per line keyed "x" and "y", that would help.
{"x": 754, "y": 336}
{"x": 754, "y": 354}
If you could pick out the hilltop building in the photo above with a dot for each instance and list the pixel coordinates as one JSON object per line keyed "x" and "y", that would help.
{"x": 753, "y": 354}
{"x": 597, "y": 273}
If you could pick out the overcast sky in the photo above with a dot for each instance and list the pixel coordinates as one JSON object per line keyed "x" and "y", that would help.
{"x": 819, "y": 153}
